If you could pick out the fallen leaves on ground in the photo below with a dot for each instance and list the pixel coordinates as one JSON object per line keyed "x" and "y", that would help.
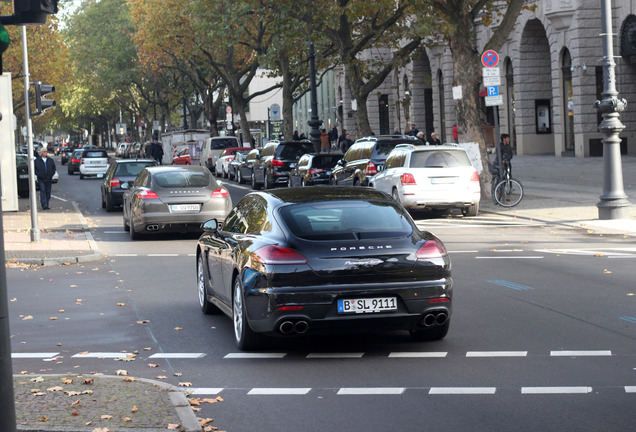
{"x": 67, "y": 381}
{"x": 606, "y": 271}
{"x": 54, "y": 389}
{"x": 153, "y": 365}
{"x": 121, "y": 372}
{"x": 134, "y": 409}
{"x": 129, "y": 379}
{"x": 106, "y": 417}
{"x": 185, "y": 384}
{"x": 172, "y": 426}
{"x": 178, "y": 328}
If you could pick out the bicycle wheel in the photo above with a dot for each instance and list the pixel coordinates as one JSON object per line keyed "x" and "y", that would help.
{"x": 493, "y": 186}
{"x": 509, "y": 193}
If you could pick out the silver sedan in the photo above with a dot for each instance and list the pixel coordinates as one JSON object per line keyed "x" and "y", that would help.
{"x": 173, "y": 199}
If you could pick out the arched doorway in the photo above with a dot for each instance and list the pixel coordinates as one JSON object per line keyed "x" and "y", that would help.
{"x": 442, "y": 108}
{"x": 567, "y": 102}
{"x": 421, "y": 93}
{"x": 510, "y": 104}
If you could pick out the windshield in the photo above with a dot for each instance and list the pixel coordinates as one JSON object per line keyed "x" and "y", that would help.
{"x": 220, "y": 144}
{"x": 131, "y": 169}
{"x": 346, "y": 220}
{"x": 295, "y": 151}
{"x": 173, "y": 179}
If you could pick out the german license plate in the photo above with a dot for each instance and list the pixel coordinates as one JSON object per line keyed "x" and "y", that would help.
{"x": 443, "y": 180}
{"x": 184, "y": 207}
{"x": 23, "y": 176}
{"x": 367, "y": 305}
{"x": 100, "y": 175}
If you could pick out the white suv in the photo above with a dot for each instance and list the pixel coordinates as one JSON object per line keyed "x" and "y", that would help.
{"x": 212, "y": 149}
{"x": 94, "y": 162}
{"x": 430, "y": 177}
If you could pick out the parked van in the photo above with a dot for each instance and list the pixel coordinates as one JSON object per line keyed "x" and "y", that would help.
{"x": 213, "y": 147}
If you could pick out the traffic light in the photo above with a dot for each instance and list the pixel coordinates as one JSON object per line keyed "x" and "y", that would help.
{"x": 42, "y": 104}
{"x": 33, "y": 11}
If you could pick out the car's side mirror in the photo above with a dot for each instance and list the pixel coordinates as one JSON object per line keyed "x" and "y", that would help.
{"x": 210, "y": 225}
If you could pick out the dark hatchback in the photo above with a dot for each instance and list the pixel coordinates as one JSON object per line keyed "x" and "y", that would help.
{"x": 74, "y": 162}
{"x": 313, "y": 169}
{"x": 323, "y": 260}
{"x": 117, "y": 179}
{"x": 66, "y": 155}
{"x": 246, "y": 165}
{"x": 22, "y": 168}
{"x": 276, "y": 161}
{"x": 365, "y": 158}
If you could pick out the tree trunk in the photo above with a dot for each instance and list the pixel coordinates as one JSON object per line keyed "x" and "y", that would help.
{"x": 288, "y": 99}
{"x": 361, "y": 116}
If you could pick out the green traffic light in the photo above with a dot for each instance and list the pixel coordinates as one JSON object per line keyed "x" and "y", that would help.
{"x": 4, "y": 39}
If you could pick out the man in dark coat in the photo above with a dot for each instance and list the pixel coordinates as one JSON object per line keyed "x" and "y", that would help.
{"x": 44, "y": 171}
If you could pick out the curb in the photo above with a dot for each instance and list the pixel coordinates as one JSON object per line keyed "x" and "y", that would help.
{"x": 187, "y": 418}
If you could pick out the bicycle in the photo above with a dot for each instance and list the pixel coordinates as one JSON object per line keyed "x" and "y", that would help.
{"x": 506, "y": 192}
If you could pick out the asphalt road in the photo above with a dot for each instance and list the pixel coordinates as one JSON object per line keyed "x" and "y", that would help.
{"x": 543, "y": 335}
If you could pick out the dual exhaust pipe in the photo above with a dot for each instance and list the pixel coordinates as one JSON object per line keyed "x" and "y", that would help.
{"x": 153, "y": 227}
{"x": 289, "y": 327}
{"x": 433, "y": 319}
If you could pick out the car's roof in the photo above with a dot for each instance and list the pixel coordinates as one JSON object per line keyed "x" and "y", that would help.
{"x": 327, "y": 193}
{"x": 167, "y": 168}
{"x": 127, "y": 161}
{"x": 425, "y": 148}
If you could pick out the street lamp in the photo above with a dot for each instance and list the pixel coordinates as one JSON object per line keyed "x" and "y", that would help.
{"x": 314, "y": 121}
{"x": 613, "y": 203}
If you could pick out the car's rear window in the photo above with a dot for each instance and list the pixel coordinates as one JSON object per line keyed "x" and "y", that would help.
{"x": 175, "y": 179}
{"x": 325, "y": 161}
{"x": 131, "y": 169}
{"x": 95, "y": 154}
{"x": 440, "y": 159}
{"x": 220, "y": 144}
{"x": 21, "y": 162}
{"x": 294, "y": 151}
{"x": 346, "y": 220}
{"x": 383, "y": 148}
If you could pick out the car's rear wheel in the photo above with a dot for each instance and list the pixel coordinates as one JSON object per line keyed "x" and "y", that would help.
{"x": 472, "y": 210}
{"x": 134, "y": 235}
{"x": 207, "y": 307}
{"x": 108, "y": 205}
{"x": 395, "y": 195}
{"x": 126, "y": 226}
{"x": 432, "y": 334}
{"x": 81, "y": 176}
{"x": 266, "y": 184}
{"x": 239, "y": 177}
{"x": 103, "y": 203}
{"x": 246, "y": 338}
{"x": 255, "y": 185}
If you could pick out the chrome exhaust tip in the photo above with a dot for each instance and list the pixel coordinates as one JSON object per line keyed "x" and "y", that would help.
{"x": 301, "y": 327}
{"x": 153, "y": 227}
{"x": 429, "y": 320}
{"x": 441, "y": 318}
{"x": 286, "y": 327}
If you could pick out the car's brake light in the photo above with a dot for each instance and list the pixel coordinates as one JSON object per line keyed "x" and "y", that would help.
{"x": 277, "y": 255}
{"x": 107, "y": 161}
{"x": 277, "y": 163}
{"x": 431, "y": 249}
{"x": 220, "y": 193}
{"x": 407, "y": 179}
{"x": 288, "y": 308}
{"x": 82, "y": 161}
{"x": 115, "y": 183}
{"x": 315, "y": 170}
{"x": 146, "y": 195}
{"x": 474, "y": 177}
{"x": 75, "y": 161}
{"x": 370, "y": 170}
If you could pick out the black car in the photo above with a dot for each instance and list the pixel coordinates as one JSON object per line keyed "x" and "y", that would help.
{"x": 232, "y": 167}
{"x": 323, "y": 260}
{"x": 276, "y": 161}
{"x": 120, "y": 174}
{"x": 313, "y": 169}
{"x": 74, "y": 162}
{"x": 22, "y": 167}
{"x": 66, "y": 155}
{"x": 245, "y": 167}
{"x": 365, "y": 158}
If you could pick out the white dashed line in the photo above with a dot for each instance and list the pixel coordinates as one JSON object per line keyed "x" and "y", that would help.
{"x": 163, "y": 255}
{"x": 254, "y": 355}
{"x": 417, "y": 354}
{"x": 509, "y": 257}
{"x": 204, "y": 390}
{"x": 462, "y": 390}
{"x": 556, "y": 390}
{"x": 101, "y": 355}
{"x": 334, "y": 355}
{"x": 371, "y": 391}
{"x": 630, "y": 389}
{"x": 496, "y": 353}
{"x": 33, "y": 355}
{"x": 115, "y": 232}
{"x": 279, "y": 391}
{"x": 178, "y": 355}
{"x": 580, "y": 353}
{"x": 125, "y": 255}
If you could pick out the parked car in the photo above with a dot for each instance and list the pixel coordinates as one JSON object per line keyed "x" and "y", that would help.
{"x": 94, "y": 162}
{"x": 173, "y": 199}
{"x": 74, "y": 162}
{"x": 244, "y": 168}
{"x": 430, "y": 177}
{"x": 121, "y": 150}
{"x": 276, "y": 161}
{"x": 212, "y": 149}
{"x": 224, "y": 159}
{"x": 313, "y": 169}
{"x": 121, "y": 173}
{"x": 365, "y": 158}
{"x": 66, "y": 154}
{"x": 181, "y": 157}
{"x": 22, "y": 168}
{"x": 323, "y": 260}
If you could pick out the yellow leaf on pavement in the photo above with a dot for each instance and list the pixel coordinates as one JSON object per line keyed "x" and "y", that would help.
{"x": 106, "y": 417}
{"x": 134, "y": 409}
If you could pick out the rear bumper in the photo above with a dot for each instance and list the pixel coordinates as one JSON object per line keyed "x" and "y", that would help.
{"x": 420, "y": 201}
{"x": 175, "y": 222}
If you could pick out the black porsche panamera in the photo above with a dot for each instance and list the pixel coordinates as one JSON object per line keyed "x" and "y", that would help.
{"x": 323, "y": 260}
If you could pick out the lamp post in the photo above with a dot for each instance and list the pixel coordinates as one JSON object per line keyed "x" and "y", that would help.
{"x": 314, "y": 121}
{"x": 613, "y": 202}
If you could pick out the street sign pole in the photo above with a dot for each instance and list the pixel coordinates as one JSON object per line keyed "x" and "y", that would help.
{"x": 492, "y": 81}
{"x": 35, "y": 230}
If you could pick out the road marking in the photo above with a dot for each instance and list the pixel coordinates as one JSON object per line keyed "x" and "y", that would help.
{"x": 371, "y": 391}
{"x": 101, "y": 355}
{"x": 204, "y": 390}
{"x": 57, "y": 197}
{"x": 458, "y": 252}
{"x": 417, "y": 354}
{"x": 191, "y": 255}
{"x": 580, "y": 353}
{"x": 254, "y": 355}
{"x": 496, "y": 353}
{"x": 628, "y": 318}
{"x": 630, "y": 389}
{"x": 279, "y": 391}
{"x": 512, "y": 285}
{"x": 178, "y": 355}
{"x": 556, "y": 390}
{"x": 125, "y": 255}
{"x": 34, "y": 355}
{"x": 163, "y": 255}
{"x": 462, "y": 390}
{"x": 115, "y": 232}
{"x": 510, "y": 257}
{"x": 335, "y": 355}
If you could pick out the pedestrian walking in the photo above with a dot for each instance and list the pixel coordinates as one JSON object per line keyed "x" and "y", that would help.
{"x": 341, "y": 139}
{"x": 324, "y": 141}
{"x": 346, "y": 143}
{"x": 44, "y": 171}
{"x": 333, "y": 137}
{"x": 434, "y": 139}
{"x": 157, "y": 152}
{"x": 413, "y": 132}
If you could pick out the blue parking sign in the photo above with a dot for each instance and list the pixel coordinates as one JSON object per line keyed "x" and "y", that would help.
{"x": 493, "y": 90}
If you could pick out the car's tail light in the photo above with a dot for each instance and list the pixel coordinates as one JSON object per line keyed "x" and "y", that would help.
{"x": 210, "y": 161}
{"x": 277, "y": 255}
{"x": 407, "y": 179}
{"x": 474, "y": 177}
{"x": 231, "y": 158}
{"x": 82, "y": 161}
{"x": 220, "y": 193}
{"x": 371, "y": 169}
{"x": 277, "y": 163}
{"x": 107, "y": 161}
{"x": 75, "y": 161}
{"x": 431, "y": 249}
{"x": 439, "y": 300}
{"x": 146, "y": 195}
{"x": 315, "y": 170}
{"x": 289, "y": 308}
{"x": 115, "y": 183}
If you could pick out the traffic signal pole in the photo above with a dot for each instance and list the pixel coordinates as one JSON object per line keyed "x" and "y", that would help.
{"x": 35, "y": 230}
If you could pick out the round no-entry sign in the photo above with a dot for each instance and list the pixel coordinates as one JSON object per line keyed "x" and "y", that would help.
{"x": 490, "y": 58}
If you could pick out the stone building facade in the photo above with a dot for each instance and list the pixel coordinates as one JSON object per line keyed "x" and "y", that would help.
{"x": 551, "y": 75}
